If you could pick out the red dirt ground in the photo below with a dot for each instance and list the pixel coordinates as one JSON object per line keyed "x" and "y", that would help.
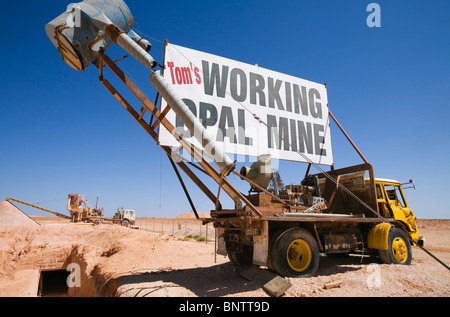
{"x": 118, "y": 261}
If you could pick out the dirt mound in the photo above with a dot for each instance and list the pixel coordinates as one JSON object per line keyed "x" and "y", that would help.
{"x": 106, "y": 255}
{"x": 191, "y": 215}
{"x": 10, "y": 215}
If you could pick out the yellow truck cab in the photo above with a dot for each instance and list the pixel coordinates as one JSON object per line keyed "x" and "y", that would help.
{"x": 393, "y": 206}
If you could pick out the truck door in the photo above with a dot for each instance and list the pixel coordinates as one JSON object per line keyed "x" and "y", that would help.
{"x": 383, "y": 207}
{"x": 399, "y": 206}
{"x": 396, "y": 200}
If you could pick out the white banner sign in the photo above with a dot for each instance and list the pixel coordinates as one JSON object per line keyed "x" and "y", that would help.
{"x": 249, "y": 109}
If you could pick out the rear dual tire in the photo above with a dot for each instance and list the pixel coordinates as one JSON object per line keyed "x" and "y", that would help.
{"x": 294, "y": 253}
{"x": 244, "y": 258}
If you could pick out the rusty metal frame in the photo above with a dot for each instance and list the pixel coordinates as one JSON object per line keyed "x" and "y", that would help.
{"x": 186, "y": 192}
{"x": 151, "y": 131}
{"x": 197, "y": 154}
{"x": 356, "y": 168}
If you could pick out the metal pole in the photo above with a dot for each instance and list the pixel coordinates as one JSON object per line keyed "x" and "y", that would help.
{"x": 192, "y": 123}
{"x": 348, "y": 137}
{"x": 123, "y": 40}
{"x": 179, "y": 107}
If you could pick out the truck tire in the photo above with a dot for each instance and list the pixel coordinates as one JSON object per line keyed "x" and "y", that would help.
{"x": 243, "y": 259}
{"x": 125, "y": 223}
{"x": 399, "y": 249}
{"x": 273, "y": 237}
{"x": 294, "y": 253}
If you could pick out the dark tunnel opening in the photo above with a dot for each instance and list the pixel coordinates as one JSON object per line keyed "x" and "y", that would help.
{"x": 53, "y": 283}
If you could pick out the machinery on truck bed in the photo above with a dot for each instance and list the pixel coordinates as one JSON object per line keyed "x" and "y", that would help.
{"x": 122, "y": 217}
{"x": 286, "y": 228}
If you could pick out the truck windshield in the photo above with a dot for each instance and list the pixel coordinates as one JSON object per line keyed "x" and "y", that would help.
{"x": 394, "y": 193}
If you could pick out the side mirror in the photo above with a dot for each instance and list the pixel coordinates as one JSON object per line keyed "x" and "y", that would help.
{"x": 408, "y": 183}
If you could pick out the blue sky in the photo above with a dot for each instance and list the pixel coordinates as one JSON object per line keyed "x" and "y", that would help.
{"x": 62, "y": 132}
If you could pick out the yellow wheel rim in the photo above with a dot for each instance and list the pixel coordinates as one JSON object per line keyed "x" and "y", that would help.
{"x": 299, "y": 255}
{"x": 399, "y": 249}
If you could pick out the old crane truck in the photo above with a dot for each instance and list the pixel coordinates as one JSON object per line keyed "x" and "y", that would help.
{"x": 125, "y": 217}
{"x": 207, "y": 106}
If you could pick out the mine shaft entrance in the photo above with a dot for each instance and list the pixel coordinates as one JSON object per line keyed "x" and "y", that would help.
{"x": 53, "y": 283}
